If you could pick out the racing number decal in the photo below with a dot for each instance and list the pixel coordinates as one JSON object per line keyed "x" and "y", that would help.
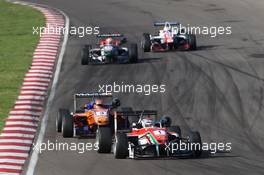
{"x": 159, "y": 132}
{"x": 100, "y": 113}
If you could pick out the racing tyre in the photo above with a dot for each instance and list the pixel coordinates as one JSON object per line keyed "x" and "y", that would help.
{"x": 195, "y": 140}
{"x": 192, "y": 42}
{"x": 176, "y": 129}
{"x": 133, "y": 53}
{"x": 104, "y": 139}
{"x": 86, "y": 54}
{"x": 61, "y": 114}
{"x": 121, "y": 146}
{"x": 146, "y": 43}
{"x": 67, "y": 125}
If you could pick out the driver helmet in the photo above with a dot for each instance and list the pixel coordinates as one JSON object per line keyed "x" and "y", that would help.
{"x": 147, "y": 123}
{"x": 167, "y": 27}
{"x": 88, "y": 106}
{"x": 98, "y": 103}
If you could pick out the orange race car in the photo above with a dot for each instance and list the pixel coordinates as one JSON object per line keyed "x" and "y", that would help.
{"x": 93, "y": 118}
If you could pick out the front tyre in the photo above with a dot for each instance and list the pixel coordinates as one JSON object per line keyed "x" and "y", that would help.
{"x": 133, "y": 53}
{"x": 121, "y": 146}
{"x": 67, "y": 125}
{"x": 59, "y": 118}
{"x": 146, "y": 43}
{"x": 192, "y": 42}
{"x": 104, "y": 139}
{"x": 196, "y": 142}
{"x": 86, "y": 54}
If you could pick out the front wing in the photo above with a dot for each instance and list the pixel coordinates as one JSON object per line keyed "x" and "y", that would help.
{"x": 156, "y": 151}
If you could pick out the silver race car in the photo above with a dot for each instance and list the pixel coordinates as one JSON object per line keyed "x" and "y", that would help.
{"x": 110, "y": 50}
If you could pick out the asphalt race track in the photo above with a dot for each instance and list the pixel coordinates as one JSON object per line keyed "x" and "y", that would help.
{"x": 217, "y": 89}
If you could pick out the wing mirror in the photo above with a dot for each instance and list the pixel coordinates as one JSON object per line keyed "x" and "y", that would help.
{"x": 116, "y": 103}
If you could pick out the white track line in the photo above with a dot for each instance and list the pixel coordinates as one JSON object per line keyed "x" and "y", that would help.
{"x": 41, "y": 68}
{"x": 11, "y": 161}
{"x": 17, "y": 135}
{"x": 16, "y": 141}
{"x": 34, "y": 88}
{"x": 31, "y": 123}
{"x": 25, "y": 148}
{"x": 35, "y": 83}
{"x": 38, "y": 75}
{"x": 40, "y": 71}
{"x": 11, "y": 167}
{"x": 45, "y": 50}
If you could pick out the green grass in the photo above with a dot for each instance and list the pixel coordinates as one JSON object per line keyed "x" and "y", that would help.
{"x": 17, "y": 44}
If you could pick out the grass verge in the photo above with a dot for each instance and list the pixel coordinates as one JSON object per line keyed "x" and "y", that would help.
{"x": 17, "y": 44}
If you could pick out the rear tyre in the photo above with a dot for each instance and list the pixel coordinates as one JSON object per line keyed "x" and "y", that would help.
{"x": 121, "y": 146}
{"x": 104, "y": 139}
{"x": 146, "y": 43}
{"x": 196, "y": 141}
{"x": 86, "y": 54}
{"x": 61, "y": 114}
{"x": 175, "y": 129}
{"x": 192, "y": 42}
{"x": 133, "y": 53}
{"x": 67, "y": 126}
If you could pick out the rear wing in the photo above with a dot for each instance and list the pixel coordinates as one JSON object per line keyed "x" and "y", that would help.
{"x": 138, "y": 114}
{"x": 110, "y": 35}
{"x": 96, "y": 94}
{"x": 89, "y": 95}
{"x": 157, "y": 24}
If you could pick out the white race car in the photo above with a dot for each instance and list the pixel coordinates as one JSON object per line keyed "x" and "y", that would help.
{"x": 169, "y": 38}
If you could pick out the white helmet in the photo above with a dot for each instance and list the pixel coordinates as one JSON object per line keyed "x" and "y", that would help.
{"x": 147, "y": 123}
{"x": 167, "y": 27}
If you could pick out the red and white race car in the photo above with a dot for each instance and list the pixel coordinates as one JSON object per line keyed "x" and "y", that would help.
{"x": 170, "y": 37}
{"x": 148, "y": 137}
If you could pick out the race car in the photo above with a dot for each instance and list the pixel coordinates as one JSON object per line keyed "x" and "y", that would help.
{"x": 110, "y": 50}
{"x": 148, "y": 137}
{"x": 170, "y": 37}
{"x": 95, "y": 118}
